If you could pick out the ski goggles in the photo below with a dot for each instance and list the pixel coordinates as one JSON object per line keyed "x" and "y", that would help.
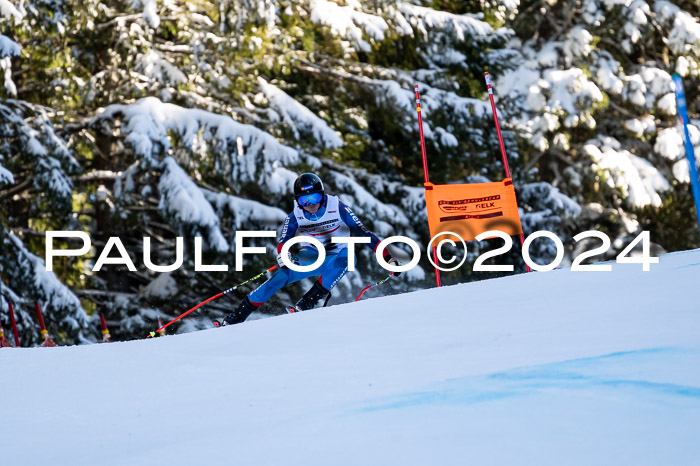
{"x": 310, "y": 199}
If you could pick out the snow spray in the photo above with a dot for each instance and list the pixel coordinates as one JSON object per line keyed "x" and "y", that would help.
{"x": 162, "y": 327}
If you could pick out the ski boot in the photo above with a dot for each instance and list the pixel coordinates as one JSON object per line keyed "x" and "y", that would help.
{"x": 240, "y": 314}
{"x": 317, "y": 296}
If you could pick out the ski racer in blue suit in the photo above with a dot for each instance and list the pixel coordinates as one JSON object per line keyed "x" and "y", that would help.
{"x": 322, "y": 216}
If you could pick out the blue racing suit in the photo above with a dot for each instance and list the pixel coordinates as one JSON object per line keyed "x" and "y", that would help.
{"x": 333, "y": 218}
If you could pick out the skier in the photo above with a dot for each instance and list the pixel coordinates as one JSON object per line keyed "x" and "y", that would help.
{"x": 321, "y": 216}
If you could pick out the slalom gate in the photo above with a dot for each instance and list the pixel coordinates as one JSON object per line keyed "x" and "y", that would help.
{"x": 470, "y": 209}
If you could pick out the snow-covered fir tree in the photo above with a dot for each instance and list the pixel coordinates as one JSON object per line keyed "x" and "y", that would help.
{"x": 591, "y": 94}
{"x": 169, "y": 119}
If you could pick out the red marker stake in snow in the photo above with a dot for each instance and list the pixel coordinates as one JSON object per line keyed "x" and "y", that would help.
{"x": 161, "y": 332}
{"x": 425, "y": 175}
{"x": 500, "y": 142}
{"x": 14, "y": 323}
{"x": 106, "y": 337}
{"x": 48, "y": 342}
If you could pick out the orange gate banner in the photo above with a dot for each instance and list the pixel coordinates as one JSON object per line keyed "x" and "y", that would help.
{"x": 471, "y": 209}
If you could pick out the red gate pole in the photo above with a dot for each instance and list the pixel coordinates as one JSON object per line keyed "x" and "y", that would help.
{"x": 106, "y": 337}
{"x": 14, "y": 324}
{"x": 425, "y": 173}
{"x": 48, "y": 342}
{"x": 500, "y": 143}
{"x": 4, "y": 342}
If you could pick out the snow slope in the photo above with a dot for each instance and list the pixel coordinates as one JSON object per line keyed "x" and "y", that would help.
{"x": 541, "y": 369}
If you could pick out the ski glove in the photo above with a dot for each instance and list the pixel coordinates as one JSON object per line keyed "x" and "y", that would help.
{"x": 390, "y": 260}
{"x": 280, "y": 262}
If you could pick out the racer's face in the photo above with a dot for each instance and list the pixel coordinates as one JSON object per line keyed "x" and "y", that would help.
{"x": 312, "y": 209}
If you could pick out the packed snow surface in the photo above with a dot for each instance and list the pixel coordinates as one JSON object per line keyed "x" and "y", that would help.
{"x": 547, "y": 368}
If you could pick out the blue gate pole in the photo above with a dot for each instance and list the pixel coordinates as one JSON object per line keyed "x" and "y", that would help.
{"x": 689, "y": 152}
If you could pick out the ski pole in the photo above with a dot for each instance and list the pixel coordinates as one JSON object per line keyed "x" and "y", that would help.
{"x": 153, "y": 334}
{"x": 372, "y": 286}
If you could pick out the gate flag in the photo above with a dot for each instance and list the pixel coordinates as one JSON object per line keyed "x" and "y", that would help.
{"x": 471, "y": 209}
